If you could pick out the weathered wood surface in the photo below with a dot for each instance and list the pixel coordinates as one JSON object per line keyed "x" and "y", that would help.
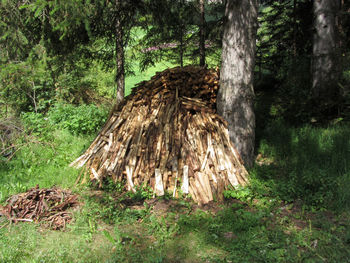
{"x": 167, "y": 135}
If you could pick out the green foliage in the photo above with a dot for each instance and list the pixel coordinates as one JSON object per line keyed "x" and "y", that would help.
{"x": 240, "y": 193}
{"x": 44, "y": 161}
{"x": 172, "y": 33}
{"x": 26, "y": 86}
{"x": 109, "y": 186}
{"x": 84, "y": 119}
{"x": 37, "y": 124}
{"x": 307, "y": 163}
{"x": 141, "y": 193}
{"x": 284, "y": 35}
{"x": 18, "y": 30}
{"x": 172, "y": 29}
{"x": 47, "y": 56}
{"x": 283, "y": 57}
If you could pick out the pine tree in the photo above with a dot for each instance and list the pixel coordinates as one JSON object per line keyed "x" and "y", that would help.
{"x": 236, "y": 95}
{"x": 326, "y": 53}
{"x": 202, "y": 33}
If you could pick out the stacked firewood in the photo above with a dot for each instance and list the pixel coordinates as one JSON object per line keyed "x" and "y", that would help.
{"x": 167, "y": 134}
{"x": 41, "y": 205}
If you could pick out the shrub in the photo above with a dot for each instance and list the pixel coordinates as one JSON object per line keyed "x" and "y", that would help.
{"x": 36, "y": 123}
{"x": 83, "y": 119}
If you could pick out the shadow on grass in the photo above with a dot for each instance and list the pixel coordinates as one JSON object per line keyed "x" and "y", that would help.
{"x": 241, "y": 234}
{"x": 307, "y": 163}
{"x": 235, "y": 234}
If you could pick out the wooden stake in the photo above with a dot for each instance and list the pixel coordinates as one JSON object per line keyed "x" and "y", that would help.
{"x": 185, "y": 182}
{"x": 159, "y": 189}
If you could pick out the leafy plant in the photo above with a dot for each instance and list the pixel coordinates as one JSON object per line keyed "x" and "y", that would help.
{"x": 241, "y": 193}
{"x": 37, "y": 123}
{"x": 141, "y": 193}
{"x": 83, "y": 119}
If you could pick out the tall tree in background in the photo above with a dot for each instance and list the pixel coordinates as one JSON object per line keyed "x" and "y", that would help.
{"x": 202, "y": 34}
{"x": 176, "y": 31}
{"x": 171, "y": 32}
{"x": 119, "y": 48}
{"x": 107, "y": 22}
{"x": 111, "y": 23}
{"x": 344, "y": 26}
{"x": 284, "y": 36}
{"x": 236, "y": 94}
{"x": 326, "y": 53}
{"x": 284, "y": 49}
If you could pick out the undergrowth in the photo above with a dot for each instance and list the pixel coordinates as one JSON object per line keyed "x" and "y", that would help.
{"x": 45, "y": 149}
{"x": 306, "y": 163}
{"x": 43, "y": 163}
{"x": 294, "y": 210}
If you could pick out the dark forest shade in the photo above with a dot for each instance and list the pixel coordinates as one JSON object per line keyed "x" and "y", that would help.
{"x": 325, "y": 63}
{"x": 236, "y": 94}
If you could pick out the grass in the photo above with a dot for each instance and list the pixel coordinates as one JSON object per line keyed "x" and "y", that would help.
{"x": 295, "y": 209}
{"x": 266, "y": 222}
{"x": 42, "y": 162}
{"x": 237, "y": 233}
{"x": 307, "y": 163}
{"x": 32, "y": 244}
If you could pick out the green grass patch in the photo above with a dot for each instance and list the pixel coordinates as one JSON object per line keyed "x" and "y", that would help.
{"x": 30, "y": 243}
{"x": 42, "y": 162}
{"x": 293, "y": 211}
{"x": 237, "y": 233}
{"x": 307, "y": 163}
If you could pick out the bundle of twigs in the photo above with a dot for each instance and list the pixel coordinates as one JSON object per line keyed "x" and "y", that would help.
{"x": 45, "y": 205}
{"x": 166, "y": 134}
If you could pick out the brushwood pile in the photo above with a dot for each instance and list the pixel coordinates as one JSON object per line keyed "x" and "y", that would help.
{"x": 50, "y": 206}
{"x": 166, "y": 134}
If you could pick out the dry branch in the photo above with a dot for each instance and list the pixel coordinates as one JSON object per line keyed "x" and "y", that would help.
{"x": 46, "y": 205}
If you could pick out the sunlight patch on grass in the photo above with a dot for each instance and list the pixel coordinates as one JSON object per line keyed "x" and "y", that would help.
{"x": 30, "y": 243}
{"x": 44, "y": 163}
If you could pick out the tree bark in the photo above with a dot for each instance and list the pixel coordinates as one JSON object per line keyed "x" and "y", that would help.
{"x": 236, "y": 94}
{"x": 181, "y": 47}
{"x": 202, "y": 34}
{"x": 295, "y": 28}
{"x": 119, "y": 48}
{"x": 325, "y": 62}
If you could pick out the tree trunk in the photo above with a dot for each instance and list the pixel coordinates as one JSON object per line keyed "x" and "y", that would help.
{"x": 325, "y": 63}
{"x": 202, "y": 34}
{"x": 181, "y": 53}
{"x": 340, "y": 26}
{"x": 295, "y": 28}
{"x": 120, "y": 74}
{"x": 236, "y": 94}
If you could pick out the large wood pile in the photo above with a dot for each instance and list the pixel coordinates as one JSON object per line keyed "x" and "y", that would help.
{"x": 48, "y": 205}
{"x": 167, "y": 134}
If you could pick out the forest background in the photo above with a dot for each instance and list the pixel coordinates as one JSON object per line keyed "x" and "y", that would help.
{"x": 60, "y": 62}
